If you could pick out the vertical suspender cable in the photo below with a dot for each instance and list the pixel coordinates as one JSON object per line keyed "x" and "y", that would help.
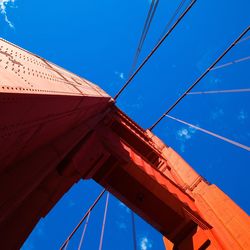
{"x": 83, "y": 232}
{"x": 200, "y": 78}
{"x": 133, "y": 229}
{"x": 82, "y": 220}
{"x": 179, "y": 7}
{"x": 149, "y": 23}
{"x": 145, "y": 30}
{"x": 104, "y": 221}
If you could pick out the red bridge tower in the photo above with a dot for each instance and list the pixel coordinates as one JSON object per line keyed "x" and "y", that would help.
{"x": 57, "y": 128}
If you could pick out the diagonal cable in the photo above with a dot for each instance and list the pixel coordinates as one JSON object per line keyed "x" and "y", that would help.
{"x": 83, "y": 232}
{"x": 154, "y": 49}
{"x": 211, "y": 133}
{"x": 178, "y": 9}
{"x": 231, "y": 63}
{"x": 200, "y": 78}
{"x": 104, "y": 221}
{"x": 219, "y": 91}
{"x": 146, "y": 28}
{"x": 66, "y": 242}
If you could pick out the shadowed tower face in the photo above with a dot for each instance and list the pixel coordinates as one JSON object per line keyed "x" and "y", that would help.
{"x": 57, "y": 128}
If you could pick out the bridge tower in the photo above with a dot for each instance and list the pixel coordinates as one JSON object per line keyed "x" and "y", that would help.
{"x": 57, "y": 128}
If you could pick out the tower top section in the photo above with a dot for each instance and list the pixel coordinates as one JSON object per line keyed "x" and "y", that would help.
{"x": 27, "y": 73}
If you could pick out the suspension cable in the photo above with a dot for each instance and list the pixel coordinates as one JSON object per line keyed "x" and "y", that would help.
{"x": 66, "y": 246}
{"x": 219, "y": 91}
{"x": 231, "y": 63}
{"x": 200, "y": 78}
{"x": 145, "y": 30}
{"x": 82, "y": 220}
{"x": 104, "y": 221}
{"x": 244, "y": 39}
{"x": 133, "y": 229}
{"x": 154, "y": 49}
{"x": 173, "y": 18}
{"x": 211, "y": 133}
{"x": 83, "y": 232}
{"x": 150, "y": 21}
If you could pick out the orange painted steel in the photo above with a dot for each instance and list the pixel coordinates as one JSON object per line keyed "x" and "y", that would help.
{"x": 57, "y": 128}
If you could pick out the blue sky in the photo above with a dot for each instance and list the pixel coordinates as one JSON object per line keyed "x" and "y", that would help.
{"x": 97, "y": 40}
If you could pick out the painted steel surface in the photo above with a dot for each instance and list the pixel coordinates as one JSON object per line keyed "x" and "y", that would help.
{"x": 45, "y": 112}
{"x": 57, "y": 128}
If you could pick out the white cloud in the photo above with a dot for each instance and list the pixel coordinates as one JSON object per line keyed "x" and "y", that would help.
{"x": 242, "y": 115}
{"x": 121, "y": 225}
{"x": 133, "y": 104}
{"x": 71, "y": 203}
{"x": 123, "y": 206}
{"x": 145, "y": 243}
{"x": 183, "y": 147}
{"x": 3, "y": 5}
{"x": 185, "y": 133}
{"x": 215, "y": 80}
{"x": 121, "y": 221}
{"x": 217, "y": 113}
{"x": 120, "y": 75}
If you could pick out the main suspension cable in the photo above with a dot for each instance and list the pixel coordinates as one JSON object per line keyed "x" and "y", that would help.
{"x": 82, "y": 220}
{"x": 219, "y": 91}
{"x": 104, "y": 222}
{"x": 211, "y": 133}
{"x": 154, "y": 49}
{"x": 200, "y": 78}
{"x": 145, "y": 30}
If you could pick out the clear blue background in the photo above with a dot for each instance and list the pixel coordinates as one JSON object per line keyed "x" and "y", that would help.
{"x": 97, "y": 40}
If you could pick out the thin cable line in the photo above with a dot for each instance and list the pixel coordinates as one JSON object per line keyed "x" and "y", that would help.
{"x": 142, "y": 34}
{"x": 147, "y": 21}
{"x": 133, "y": 229}
{"x": 244, "y": 39}
{"x": 231, "y": 63}
{"x": 104, "y": 221}
{"x": 154, "y": 50}
{"x": 150, "y": 20}
{"x": 82, "y": 220}
{"x": 200, "y": 78}
{"x": 83, "y": 232}
{"x": 219, "y": 91}
{"x": 146, "y": 28}
{"x": 211, "y": 133}
{"x": 66, "y": 246}
{"x": 173, "y": 17}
